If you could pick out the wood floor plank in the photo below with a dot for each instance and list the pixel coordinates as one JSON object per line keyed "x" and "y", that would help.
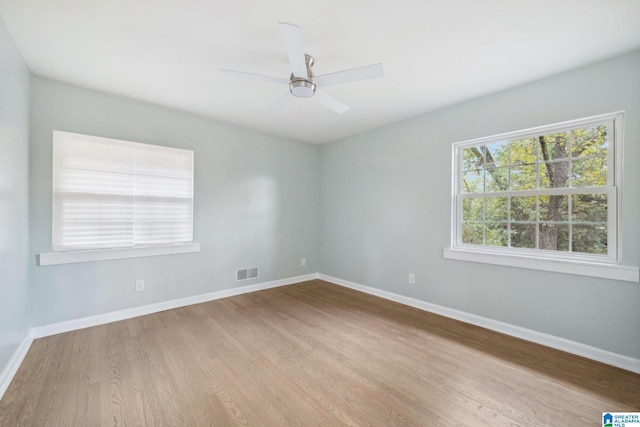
{"x": 310, "y": 354}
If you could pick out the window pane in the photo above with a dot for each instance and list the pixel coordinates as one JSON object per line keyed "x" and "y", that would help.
{"x": 472, "y": 209}
{"x": 591, "y": 172}
{"x": 496, "y": 209}
{"x": 496, "y": 234}
{"x": 472, "y": 158}
{"x": 554, "y": 175}
{"x": 496, "y": 179}
{"x": 523, "y": 177}
{"x": 523, "y": 236}
{"x": 554, "y": 208}
{"x": 590, "y": 239}
{"x": 589, "y": 141}
{"x": 523, "y": 151}
{"x": 589, "y": 208}
{"x": 497, "y": 153}
{"x": 523, "y": 209}
{"x": 473, "y": 181}
{"x": 554, "y": 237}
{"x": 553, "y": 146}
{"x": 472, "y": 233}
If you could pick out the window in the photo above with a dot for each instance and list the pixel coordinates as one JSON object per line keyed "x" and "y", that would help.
{"x": 551, "y": 192}
{"x": 111, "y": 194}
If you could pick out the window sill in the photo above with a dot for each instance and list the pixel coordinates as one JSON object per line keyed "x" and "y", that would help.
{"x": 54, "y": 258}
{"x": 583, "y": 268}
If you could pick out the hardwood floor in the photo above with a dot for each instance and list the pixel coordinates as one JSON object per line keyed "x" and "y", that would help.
{"x": 310, "y": 354}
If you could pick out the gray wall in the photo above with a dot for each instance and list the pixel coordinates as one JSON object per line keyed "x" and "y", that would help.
{"x": 386, "y": 195}
{"x": 381, "y": 200}
{"x": 256, "y": 204}
{"x": 14, "y": 176}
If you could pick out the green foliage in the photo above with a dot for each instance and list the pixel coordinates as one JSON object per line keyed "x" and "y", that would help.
{"x": 523, "y": 151}
{"x": 523, "y": 236}
{"x": 523, "y": 208}
{"x": 472, "y": 209}
{"x": 523, "y": 177}
{"x": 589, "y": 172}
{"x": 496, "y": 234}
{"x": 553, "y": 208}
{"x": 589, "y": 239}
{"x": 473, "y": 181}
{"x": 589, "y": 208}
{"x": 472, "y": 233}
{"x": 589, "y": 141}
{"x": 496, "y": 209}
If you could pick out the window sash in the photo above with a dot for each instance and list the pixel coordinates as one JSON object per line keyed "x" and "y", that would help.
{"x": 610, "y": 191}
{"x": 119, "y": 194}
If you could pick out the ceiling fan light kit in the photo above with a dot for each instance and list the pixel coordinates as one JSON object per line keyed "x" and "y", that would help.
{"x": 302, "y": 83}
{"x": 301, "y": 88}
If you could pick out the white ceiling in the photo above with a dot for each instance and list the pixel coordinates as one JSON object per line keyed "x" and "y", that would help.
{"x": 434, "y": 52}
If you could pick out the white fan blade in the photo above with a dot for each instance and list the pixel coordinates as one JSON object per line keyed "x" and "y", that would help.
{"x": 330, "y": 102}
{"x": 293, "y": 42}
{"x": 362, "y": 73}
{"x": 281, "y": 102}
{"x": 252, "y": 76}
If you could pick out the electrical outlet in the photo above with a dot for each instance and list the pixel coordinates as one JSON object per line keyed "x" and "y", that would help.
{"x": 412, "y": 278}
{"x": 303, "y": 262}
{"x": 139, "y": 285}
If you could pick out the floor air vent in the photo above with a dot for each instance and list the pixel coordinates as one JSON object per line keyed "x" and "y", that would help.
{"x": 247, "y": 273}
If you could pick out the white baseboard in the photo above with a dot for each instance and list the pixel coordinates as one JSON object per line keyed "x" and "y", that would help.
{"x": 573, "y": 347}
{"x": 101, "y": 319}
{"x": 9, "y": 371}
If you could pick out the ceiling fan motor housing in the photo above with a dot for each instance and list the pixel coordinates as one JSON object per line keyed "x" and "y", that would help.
{"x": 300, "y": 87}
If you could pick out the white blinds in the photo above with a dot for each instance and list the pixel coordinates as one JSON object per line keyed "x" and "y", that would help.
{"x": 109, "y": 193}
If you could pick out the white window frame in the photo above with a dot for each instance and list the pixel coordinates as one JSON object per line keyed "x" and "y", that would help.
{"x": 65, "y": 256}
{"x": 605, "y": 266}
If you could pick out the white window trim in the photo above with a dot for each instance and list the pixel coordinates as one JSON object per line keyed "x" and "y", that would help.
{"x": 102, "y": 254}
{"x": 582, "y": 268}
{"x": 54, "y": 258}
{"x": 595, "y": 266}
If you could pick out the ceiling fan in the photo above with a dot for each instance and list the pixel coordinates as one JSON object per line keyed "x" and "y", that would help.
{"x": 302, "y": 83}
